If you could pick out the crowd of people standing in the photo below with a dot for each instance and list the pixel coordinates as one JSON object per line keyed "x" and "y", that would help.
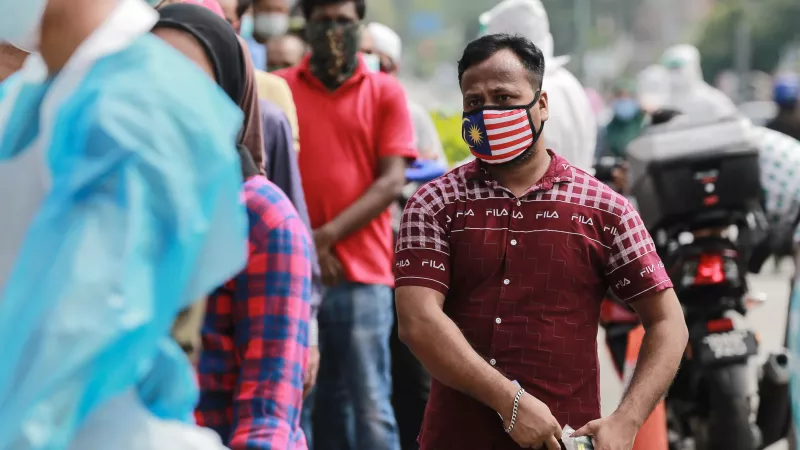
{"x": 221, "y": 177}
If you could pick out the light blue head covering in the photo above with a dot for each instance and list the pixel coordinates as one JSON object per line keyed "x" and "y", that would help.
{"x": 142, "y": 217}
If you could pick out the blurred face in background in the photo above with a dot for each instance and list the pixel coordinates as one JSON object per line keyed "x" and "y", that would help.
{"x": 334, "y": 33}
{"x": 284, "y": 51}
{"x": 371, "y": 57}
{"x": 625, "y": 105}
{"x": 270, "y": 19}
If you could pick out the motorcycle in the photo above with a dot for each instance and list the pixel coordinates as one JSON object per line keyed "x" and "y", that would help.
{"x": 700, "y": 197}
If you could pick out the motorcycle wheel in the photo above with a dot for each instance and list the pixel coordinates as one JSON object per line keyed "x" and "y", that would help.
{"x": 729, "y": 423}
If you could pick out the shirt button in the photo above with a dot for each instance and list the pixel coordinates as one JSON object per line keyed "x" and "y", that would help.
{"x": 492, "y": 362}
{"x": 498, "y": 321}
{"x": 506, "y": 281}
{"x": 519, "y": 203}
{"x": 513, "y": 242}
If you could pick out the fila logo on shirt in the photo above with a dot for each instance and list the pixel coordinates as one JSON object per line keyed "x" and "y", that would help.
{"x": 622, "y": 283}
{"x": 433, "y": 264}
{"x": 503, "y": 212}
{"x": 465, "y": 214}
{"x": 612, "y": 230}
{"x": 651, "y": 269}
{"x": 547, "y": 215}
{"x": 582, "y": 219}
{"x": 403, "y": 263}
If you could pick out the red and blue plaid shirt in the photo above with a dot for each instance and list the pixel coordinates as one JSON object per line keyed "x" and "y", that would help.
{"x": 255, "y": 336}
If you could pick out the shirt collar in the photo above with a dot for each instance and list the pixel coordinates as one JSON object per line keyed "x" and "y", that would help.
{"x": 559, "y": 171}
{"x": 358, "y": 75}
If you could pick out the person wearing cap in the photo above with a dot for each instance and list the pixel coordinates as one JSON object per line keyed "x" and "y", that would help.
{"x": 572, "y": 129}
{"x": 388, "y": 47}
{"x": 785, "y": 93}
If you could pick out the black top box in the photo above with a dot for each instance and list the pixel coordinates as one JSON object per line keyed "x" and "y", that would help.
{"x": 695, "y": 174}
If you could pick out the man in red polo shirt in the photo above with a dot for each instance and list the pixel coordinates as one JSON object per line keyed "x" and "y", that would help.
{"x": 356, "y": 136}
{"x": 501, "y": 269}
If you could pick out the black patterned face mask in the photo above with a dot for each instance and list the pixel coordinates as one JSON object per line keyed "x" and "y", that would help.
{"x": 334, "y": 50}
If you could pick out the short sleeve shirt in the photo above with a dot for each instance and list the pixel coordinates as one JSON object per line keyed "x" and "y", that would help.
{"x": 344, "y": 134}
{"x": 524, "y": 278}
{"x": 779, "y": 161}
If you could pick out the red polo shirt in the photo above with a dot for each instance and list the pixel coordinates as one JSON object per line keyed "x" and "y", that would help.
{"x": 524, "y": 279}
{"x": 344, "y": 133}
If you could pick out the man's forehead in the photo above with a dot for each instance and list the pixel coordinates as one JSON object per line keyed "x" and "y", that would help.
{"x": 503, "y": 66}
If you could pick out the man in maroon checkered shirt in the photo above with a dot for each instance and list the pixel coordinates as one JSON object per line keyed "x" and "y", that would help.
{"x": 502, "y": 266}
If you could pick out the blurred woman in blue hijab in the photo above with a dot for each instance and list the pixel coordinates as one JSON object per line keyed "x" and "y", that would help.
{"x": 119, "y": 187}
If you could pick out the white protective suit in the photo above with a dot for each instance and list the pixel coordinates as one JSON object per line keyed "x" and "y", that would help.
{"x": 120, "y": 190}
{"x": 571, "y": 130}
{"x": 653, "y": 87}
{"x": 688, "y": 92}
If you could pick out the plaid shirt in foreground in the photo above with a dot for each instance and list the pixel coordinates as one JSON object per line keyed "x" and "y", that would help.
{"x": 255, "y": 336}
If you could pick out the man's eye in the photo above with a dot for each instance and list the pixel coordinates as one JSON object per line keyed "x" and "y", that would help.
{"x": 473, "y": 103}
{"x": 503, "y": 98}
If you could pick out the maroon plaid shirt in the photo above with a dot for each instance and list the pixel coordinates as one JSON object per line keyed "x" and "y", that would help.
{"x": 524, "y": 279}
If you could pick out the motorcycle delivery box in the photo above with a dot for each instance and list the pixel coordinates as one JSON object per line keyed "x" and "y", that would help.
{"x": 695, "y": 174}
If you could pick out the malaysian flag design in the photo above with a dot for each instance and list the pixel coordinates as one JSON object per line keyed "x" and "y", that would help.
{"x": 497, "y": 136}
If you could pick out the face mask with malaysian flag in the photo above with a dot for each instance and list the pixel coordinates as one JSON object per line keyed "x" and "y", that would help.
{"x": 499, "y": 135}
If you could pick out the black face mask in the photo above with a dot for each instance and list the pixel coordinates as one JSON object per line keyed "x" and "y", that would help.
{"x": 334, "y": 50}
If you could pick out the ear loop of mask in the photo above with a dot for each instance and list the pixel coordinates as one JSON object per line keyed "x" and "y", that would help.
{"x": 530, "y": 119}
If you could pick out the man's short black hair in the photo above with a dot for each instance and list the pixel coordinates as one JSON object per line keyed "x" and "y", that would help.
{"x": 309, "y": 5}
{"x": 484, "y": 47}
{"x": 242, "y": 6}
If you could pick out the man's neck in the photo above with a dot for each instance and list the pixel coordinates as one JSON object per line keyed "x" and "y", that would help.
{"x": 518, "y": 178}
{"x": 66, "y": 24}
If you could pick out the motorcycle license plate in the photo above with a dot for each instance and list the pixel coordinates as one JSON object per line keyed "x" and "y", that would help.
{"x": 731, "y": 346}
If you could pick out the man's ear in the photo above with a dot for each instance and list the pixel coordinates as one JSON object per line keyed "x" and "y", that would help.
{"x": 544, "y": 111}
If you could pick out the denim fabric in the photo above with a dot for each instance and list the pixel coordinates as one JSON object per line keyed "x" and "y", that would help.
{"x": 351, "y": 406}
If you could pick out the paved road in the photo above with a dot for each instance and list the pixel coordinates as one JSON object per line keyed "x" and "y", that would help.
{"x": 769, "y": 320}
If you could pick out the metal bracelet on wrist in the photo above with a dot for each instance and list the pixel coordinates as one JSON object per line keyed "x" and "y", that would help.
{"x": 514, "y": 412}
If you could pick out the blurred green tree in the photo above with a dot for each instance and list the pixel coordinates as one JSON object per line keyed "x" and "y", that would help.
{"x": 773, "y": 25}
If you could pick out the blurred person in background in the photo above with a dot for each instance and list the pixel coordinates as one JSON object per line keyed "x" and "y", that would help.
{"x": 626, "y": 122}
{"x": 284, "y": 52}
{"x": 357, "y": 137}
{"x": 388, "y": 47}
{"x": 410, "y": 380}
{"x": 244, "y": 24}
{"x": 785, "y": 94}
{"x": 688, "y": 92}
{"x": 105, "y": 132}
{"x": 572, "y": 131}
{"x": 280, "y": 146}
{"x": 255, "y": 334}
{"x": 270, "y": 87}
{"x": 271, "y": 18}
